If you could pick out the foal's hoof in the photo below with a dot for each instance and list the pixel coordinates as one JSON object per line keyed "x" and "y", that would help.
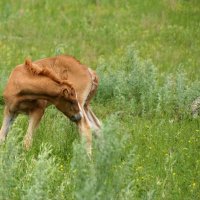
{"x": 27, "y": 144}
{"x": 89, "y": 152}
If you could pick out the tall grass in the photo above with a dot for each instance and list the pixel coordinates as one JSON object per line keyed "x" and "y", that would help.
{"x": 23, "y": 177}
{"x": 105, "y": 175}
{"x": 149, "y": 143}
{"x": 11, "y": 167}
{"x": 165, "y": 31}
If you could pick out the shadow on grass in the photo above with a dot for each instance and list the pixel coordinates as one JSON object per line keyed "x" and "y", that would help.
{"x": 1, "y": 100}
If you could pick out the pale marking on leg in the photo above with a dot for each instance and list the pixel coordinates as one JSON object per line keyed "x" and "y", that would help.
{"x": 92, "y": 123}
{"x": 94, "y": 118}
{"x": 7, "y": 121}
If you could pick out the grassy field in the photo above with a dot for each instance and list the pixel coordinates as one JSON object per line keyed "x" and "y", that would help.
{"x": 146, "y": 54}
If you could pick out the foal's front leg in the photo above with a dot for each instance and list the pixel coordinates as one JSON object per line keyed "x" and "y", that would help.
{"x": 34, "y": 119}
{"x": 7, "y": 121}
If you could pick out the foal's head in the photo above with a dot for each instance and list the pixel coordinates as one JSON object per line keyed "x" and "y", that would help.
{"x": 69, "y": 105}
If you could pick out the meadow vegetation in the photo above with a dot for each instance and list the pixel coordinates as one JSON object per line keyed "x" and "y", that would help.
{"x": 146, "y": 54}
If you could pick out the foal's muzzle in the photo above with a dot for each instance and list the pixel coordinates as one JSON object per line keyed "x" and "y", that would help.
{"x": 76, "y": 117}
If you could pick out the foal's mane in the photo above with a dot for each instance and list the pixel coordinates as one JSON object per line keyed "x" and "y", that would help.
{"x": 37, "y": 69}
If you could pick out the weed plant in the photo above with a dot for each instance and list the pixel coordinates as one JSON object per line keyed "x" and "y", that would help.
{"x": 142, "y": 89}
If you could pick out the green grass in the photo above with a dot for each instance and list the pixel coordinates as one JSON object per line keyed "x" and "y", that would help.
{"x": 147, "y": 56}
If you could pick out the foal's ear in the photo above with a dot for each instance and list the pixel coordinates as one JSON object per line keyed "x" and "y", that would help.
{"x": 69, "y": 93}
{"x": 34, "y": 68}
{"x": 65, "y": 93}
{"x": 28, "y": 62}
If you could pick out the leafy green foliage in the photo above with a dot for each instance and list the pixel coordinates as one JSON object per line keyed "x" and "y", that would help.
{"x": 11, "y": 166}
{"x": 141, "y": 88}
{"x": 108, "y": 174}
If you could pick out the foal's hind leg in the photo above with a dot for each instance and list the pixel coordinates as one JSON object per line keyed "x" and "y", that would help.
{"x": 34, "y": 119}
{"x": 93, "y": 120}
{"x": 94, "y": 117}
{"x": 7, "y": 121}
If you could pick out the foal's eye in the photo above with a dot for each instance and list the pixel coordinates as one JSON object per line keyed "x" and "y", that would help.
{"x": 71, "y": 103}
